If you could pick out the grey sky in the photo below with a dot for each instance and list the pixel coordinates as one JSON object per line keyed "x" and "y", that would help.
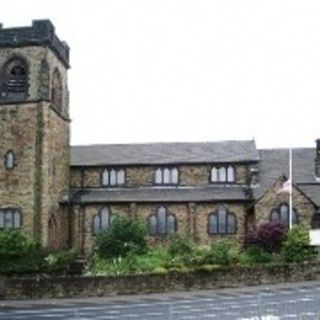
{"x": 182, "y": 70}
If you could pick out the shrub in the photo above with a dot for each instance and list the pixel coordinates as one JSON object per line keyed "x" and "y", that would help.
{"x": 296, "y": 247}
{"x": 58, "y": 261}
{"x": 15, "y": 243}
{"x": 124, "y": 236}
{"x": 222, "y": 252}
{"x": 19, "y": 253}
{"x": 269, "y": 236}
{"x": 181, "y": 244}
{"x": 255, "y": 254}
{"x": 152, "y": 260}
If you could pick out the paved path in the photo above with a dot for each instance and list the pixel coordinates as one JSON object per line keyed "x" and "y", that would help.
{"x": 294, "y": 301}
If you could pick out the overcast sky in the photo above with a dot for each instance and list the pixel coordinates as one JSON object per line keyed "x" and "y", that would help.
{"x": 187, "y": 70}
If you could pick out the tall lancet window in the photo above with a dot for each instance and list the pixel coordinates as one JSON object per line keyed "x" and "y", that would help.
{"x": 9, "y": 160}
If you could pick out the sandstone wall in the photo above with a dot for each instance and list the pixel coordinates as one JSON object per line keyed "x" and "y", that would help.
{"x": 18, "y": 125}
{"x": 39, "y": 137}
{"x": 136, "y": 176}
{"x": 271, "y": 200}
{"x": 191, "y": 218}
{"x": 66, "y": 287}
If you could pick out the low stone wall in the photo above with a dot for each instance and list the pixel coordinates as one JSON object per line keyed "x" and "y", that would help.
{"x": 62, "y": 287}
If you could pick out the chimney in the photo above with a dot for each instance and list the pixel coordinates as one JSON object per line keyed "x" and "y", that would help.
{"x": 317, "y": 160}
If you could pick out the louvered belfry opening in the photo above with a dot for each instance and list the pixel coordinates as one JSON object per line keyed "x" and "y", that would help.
{"x": 15, "y": 79}
{"x": 17, "y": 82}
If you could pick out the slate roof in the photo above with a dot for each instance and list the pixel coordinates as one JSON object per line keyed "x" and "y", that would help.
{"x": 272, "y": 163}
{"x": 275, "y": 163}
{"x": 164, "y": 153}
{"x": 159, "y": 194}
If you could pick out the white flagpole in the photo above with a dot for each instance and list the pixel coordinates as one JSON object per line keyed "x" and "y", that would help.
{"x": 290, "y": 190}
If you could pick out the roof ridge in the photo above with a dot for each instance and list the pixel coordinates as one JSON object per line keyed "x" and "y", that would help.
{"x": 285, "y": 149}
{"x": 163, "y": 143}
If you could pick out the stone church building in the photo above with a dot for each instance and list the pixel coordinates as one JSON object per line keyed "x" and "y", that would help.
{"x": 65, "y": 195}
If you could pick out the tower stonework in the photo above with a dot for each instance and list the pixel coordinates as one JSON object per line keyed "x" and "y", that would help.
{"x": 34, "y": 130}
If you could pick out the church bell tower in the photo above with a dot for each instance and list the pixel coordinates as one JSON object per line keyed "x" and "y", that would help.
{"x": 34, "y": 130}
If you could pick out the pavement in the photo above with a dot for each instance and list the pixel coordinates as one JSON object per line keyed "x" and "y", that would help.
{"x": 283, "y": 301}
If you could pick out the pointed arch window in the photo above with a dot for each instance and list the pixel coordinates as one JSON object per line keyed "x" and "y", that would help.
{"x": 10, "y": 219}
{"x": 166, "y": 176}
{"x": 162, "y": 222}
{"x": 222, "y": 222}
{"x": 113, "y": 177}
{"x": 223, "y": 174}
{"x": 15, "y": 79}
{"x": 101, "y": 221}
{"x": 281, "y": 214}
{"x": 9, "y": 160}
{"x": 56, "y": 90}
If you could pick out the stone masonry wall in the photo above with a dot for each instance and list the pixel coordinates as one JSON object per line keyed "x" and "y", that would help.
{"x": 66, "y": 287}
{"x": 55, "y": 170}
{"x": 39, "y": 76}
{"x": 18, "y": 133}
{"x": 39, "y": 137}
{"x": 137, "y": 176}
{"x": 271, "y": 200}
{"x": 191, "y": 218}
{"x": 201, "y": 222}
{"x": 33, "y": 56}
{"x": 55, "y": 158}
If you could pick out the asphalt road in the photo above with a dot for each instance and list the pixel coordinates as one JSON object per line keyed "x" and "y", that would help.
{"x": 294, "y": 301}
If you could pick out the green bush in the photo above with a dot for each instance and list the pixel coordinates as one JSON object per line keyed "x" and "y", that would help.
{"x": 58, "y": 261}
{"x": 152, "y": 260}
{"x": 256, "y": 255}
{"x": 181, "y": 244}
{"x": 19, "y": 254}
{"x": 296, "y": 247}
{"x": 124, "y": 236}
{"x": 222, "y": 252}
{"x": 15, "y": 243}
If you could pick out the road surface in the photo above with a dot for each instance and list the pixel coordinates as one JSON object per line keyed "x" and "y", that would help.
{"x": 292, "y": 301}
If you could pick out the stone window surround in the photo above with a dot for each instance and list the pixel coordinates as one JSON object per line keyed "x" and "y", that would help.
{"x": 100, "y": 218}
{"x": 11, "y": 61}
{"x": 57, "y": 90}
{"x": 13, "y": 211}
{"x": 156, "y": 215}
{"x": 226, "y": 166}
{"x": 163, "y": 168}
{"x": 277, "y": 210}
{"x": 111, "y": 170}
{"x": 7, "y": 162}
{"x": 216, "y": 214}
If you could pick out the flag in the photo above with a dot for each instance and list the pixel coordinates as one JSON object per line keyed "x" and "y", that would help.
{"x": 284, "y": 186}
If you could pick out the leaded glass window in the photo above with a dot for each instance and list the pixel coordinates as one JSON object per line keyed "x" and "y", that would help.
{"x": 220, "y": 174}
{"x": 9, "y": 160}
{"x": 222, "y": 222}
{"x": 113, "y": 177}
{"x": 166, "y": 176}
{"x": 162, "y": 222}
{"x": 101, "y": 221}
{"x": 10, "y": 219}
{"x": 282, "y": 215}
